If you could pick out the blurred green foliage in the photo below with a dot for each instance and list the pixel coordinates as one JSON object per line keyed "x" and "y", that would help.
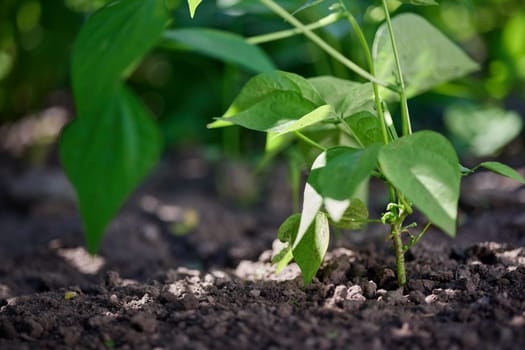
{"x": 185, "y": 89}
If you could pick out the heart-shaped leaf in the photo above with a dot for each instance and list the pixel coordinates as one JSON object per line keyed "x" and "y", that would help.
{"x": 425, "y": 168}
{"x": 427, "y": 57}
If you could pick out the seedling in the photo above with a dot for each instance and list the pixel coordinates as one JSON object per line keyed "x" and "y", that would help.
{"x": 347, "y": 122}
{"x": 420, "y": 169}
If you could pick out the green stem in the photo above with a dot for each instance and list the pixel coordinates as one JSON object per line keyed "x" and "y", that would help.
{"x": 259, "y": 39}
{"x": 309, "y": 140}
{"x": 323, "y": 44}
{"x": 405, "y": 121}
{"x": 396, "y": 229}
{"x": 368, "y": 54}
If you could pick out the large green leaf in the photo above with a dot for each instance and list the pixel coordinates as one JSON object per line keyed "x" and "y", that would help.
{"x": 113, "y": 142}
{"x": 427, "y": 57}
{"x": 345, "y": 96}
{"x": 106, "y": 157}
{"x": 222, "y": 45}
{"x": 424, "y": 167}
{"x": 109, "y": 44}
{"x": 271, "y": 90}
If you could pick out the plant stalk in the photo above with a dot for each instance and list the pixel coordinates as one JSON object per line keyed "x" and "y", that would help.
{"x": 405, "y": 117}
{"x": 396, "y": 230}
{"x": 323, "y": 44}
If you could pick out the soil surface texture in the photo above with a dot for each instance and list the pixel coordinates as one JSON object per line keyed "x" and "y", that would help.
{"x": 186, "y": 265}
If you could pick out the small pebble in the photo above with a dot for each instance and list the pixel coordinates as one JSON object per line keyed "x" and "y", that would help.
{"x": 255, "y": 293}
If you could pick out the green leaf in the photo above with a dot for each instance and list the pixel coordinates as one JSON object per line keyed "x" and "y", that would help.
{"x": 345, "y": 170}
{"x": 113, "y": 142}
{"x": 268, "y": 93}
{"x": 345, "y": 96}
{"x": 312, "y": 202}
{"x": 108, "y": 46}
{"x": 420, "y": 2}
{"x": 277, "y": 112}
{"x": 317, "y": 115}
{"x": 425, "y": 168}
{"x": 222, "y": 45}
{"x": 427, "y": 57}
{"x": 309, "y": 252}
{"x": 106, "y": 157}
{"x": 502, "y": 169}
{"x": 353, "y": 217}
{"x": 365, "y": 128}
{"x": 481, "y": 131}
{"x": 193, "y": 4}
{"x": 286, "y": 234}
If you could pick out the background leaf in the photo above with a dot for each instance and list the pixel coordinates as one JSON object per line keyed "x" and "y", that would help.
{"x": 222, "y": 45}
{"x": 113, "y": 142}
{"x": 481, "y": 131}
{"x": 424, "y": 167}
{"x": 105, "y": 158}
{"x": 420, "y": 2}
{"x": 109, "y": 44}
{"x": 427, "y": 57}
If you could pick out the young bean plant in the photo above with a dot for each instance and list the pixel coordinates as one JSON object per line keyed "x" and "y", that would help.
{"x": 114, "y": 141}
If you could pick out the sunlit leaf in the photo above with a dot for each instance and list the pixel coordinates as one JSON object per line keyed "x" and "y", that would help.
{"x": 425, "y": 168}
{"x": 309, "y": 251}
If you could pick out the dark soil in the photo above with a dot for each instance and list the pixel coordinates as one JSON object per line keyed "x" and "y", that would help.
{"x": 182, "y": 267}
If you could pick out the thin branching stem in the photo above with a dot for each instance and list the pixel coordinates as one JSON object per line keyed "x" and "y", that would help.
{"x": 309, "y": 140}
{"x": 323, "y": 44}
{"x": 283, "y": 34}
